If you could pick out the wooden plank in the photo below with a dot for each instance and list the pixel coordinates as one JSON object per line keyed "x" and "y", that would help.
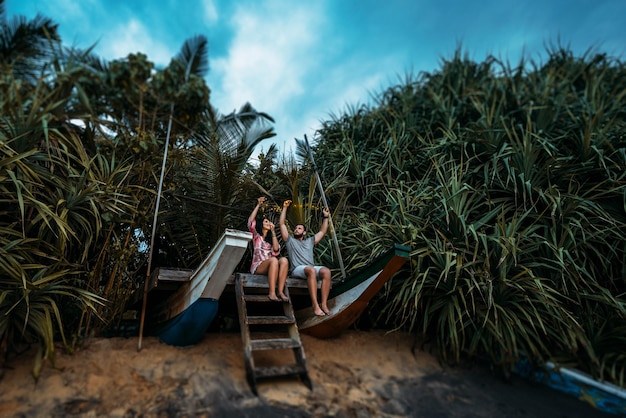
{"x": 275, "y": 371}
{"x": 270, "y": 320}
{"x": 274, "y": 344}
{"x": 245, "y": 336}
{"x": 259, "y": 298}
{"x": 260, "y": 281}
{"x": 173, "y": 274}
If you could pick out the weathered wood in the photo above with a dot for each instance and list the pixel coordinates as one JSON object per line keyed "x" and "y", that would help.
{"x": 277, "y": 371}
{"x": 268, "y": 340}
{"x": 260, "y": 281}
{"x": 209, "y": 279}
{"x": 259, "y": 298}
{"x": 173, "y": 275}
{"x": 271, "y": 320}
{"x": 245, "y": 337}
{"x": 274, "y": 344}
{"x": 168, "y": 278}
{"x": 350, "y": 298}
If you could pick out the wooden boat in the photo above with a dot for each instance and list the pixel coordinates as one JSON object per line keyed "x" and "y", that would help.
{"x": 182, "y": 318}
{"x": 603, "y": 396}
{"x": 347, "y": 299}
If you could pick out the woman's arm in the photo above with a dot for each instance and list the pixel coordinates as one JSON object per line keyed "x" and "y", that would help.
{"x": 275, "y": 244}
{"x": 252, "y": 216}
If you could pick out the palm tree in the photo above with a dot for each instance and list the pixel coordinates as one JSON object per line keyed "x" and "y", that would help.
{"x": 26, "y": 45}
{"x": 208, "y": 183}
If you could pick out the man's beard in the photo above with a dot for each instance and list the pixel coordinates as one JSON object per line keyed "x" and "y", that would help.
{"x": 298, "y": 236}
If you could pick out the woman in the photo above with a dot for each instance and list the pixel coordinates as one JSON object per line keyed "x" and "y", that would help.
{"x": 265, "y": 252}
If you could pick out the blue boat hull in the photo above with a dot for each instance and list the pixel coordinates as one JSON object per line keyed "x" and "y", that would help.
{"x": 602, "y": 396}
{"x": 191, "y": 325}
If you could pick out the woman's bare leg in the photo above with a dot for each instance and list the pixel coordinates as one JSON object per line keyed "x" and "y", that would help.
{"x": 270, "y": 267}
{"x": 283, "y": 271}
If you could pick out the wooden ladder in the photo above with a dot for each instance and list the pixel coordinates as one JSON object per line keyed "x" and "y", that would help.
{"x": 268, "y": 325}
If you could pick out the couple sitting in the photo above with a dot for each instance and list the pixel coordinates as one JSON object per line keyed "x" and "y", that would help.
{"x": 266, "y": 252}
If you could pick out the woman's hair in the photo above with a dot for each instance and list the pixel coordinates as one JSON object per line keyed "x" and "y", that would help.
{"x": 259, "y": 229}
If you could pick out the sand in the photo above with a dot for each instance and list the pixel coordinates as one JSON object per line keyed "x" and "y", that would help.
{"x": 359, "y": 374}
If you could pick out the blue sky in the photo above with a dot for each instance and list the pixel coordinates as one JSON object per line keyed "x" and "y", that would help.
{"x": 301, "y": 61}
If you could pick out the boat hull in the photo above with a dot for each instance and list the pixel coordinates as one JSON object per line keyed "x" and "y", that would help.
{"x": 601, "y": 395}
{"x": 348, "y": 300}
{"x": 183, "y": 317}
{"x": 191, "y": 325}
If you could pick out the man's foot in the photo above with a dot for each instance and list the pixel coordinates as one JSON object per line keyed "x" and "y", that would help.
{"x": 319, "y": 312}
{"x": 283, "y": 297}
{"x": 273, "y": 298}
{"x": 326, "y": 311}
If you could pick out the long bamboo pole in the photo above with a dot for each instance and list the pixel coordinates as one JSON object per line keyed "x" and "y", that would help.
{"x": 330, "y": 218}
{"x": 154, "y": 227}
{"x": 190, "y": 63}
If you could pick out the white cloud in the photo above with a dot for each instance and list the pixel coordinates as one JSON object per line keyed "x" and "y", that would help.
{"x": 210, "y": 11}
{"x": 265, "y": 64}
{"x": 132, "y": 37}
{"x": 278, "y": 61}
{"x": 269, "y": 61}
{"x": 302, "y": 61}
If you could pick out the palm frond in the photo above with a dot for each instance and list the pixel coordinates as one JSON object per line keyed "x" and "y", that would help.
{"x": 194, "y": 56}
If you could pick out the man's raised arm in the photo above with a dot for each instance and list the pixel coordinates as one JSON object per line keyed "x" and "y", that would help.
{"x": 324, "y": 227}
{"x": 284, "y": 233}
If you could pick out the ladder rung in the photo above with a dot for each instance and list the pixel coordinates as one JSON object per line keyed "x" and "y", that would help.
{"x": 274, "y": 344}
{"x": 270, "y": 320}
{"x": 259, "y": 298}
{"x": 255, "y": 281}
{"x": 261, "y": 372}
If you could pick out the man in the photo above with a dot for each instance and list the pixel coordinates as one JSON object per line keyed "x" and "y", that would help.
{"x": 300, "y": 251}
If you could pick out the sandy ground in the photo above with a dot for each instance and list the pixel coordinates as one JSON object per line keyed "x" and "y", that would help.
{"x": 360, "y": 374}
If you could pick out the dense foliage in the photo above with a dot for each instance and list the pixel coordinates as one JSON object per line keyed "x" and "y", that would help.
{"x": 82, "y": 146}
{"x": 509, "y": 184}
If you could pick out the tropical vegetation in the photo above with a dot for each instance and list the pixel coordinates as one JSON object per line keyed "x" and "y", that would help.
{"x": 82, "y": 146}
{"x": 506, "y": 181}
{"x": 509, "y": 184}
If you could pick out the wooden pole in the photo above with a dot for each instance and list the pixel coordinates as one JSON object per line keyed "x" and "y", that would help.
{"x": 330, "y": 219}
{"x": 190, "y": 63}
{"x": 154, "y": 228}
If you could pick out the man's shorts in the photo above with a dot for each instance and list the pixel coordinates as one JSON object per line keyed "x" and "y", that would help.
{"x": 299, "y": 272}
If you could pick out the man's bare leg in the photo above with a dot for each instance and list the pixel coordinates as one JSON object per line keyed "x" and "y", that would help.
{"x": 311, "y": 279}
{"x": 326, "y": 285}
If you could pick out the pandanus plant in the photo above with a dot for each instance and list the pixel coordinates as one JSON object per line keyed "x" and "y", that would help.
{"x": 508, "y": 183}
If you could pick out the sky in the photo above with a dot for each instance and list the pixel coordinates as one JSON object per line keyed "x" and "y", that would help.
{"x": 303, "y": 62}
